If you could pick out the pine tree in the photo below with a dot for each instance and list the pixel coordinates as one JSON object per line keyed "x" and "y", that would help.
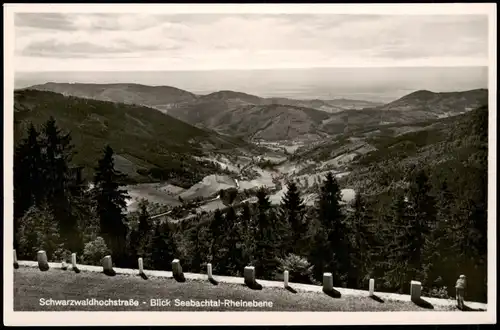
{"x": 437, "y": 253}
{"x": 216, "y": 232}
{"x": 163, "y": 249}
{"x": 422, "y": 208}
{"x": 398, "y": 238}
{"x": 140, "y": 235}
{"x": 470, "y": 230}
{"x": 292, "y": 211}
{"x": 233, "y": 247}
{"x": 144, "y": 228}
{"x": 110, "y": 203}
{"x": 60, "y": 181}
{"x": 360, "y": 242}
{"x": 320, "y": 252}
{"x": 246, "y": 219}
{"x": 248, "y": 234}
{"x": 58, "y": 152}
{"x": 28, "y": 179}
{"x": 133, "y": 246}
{"x": 197, "y": 249}
{"x": 332, "y": 222}
{"x": 266, "y": 252}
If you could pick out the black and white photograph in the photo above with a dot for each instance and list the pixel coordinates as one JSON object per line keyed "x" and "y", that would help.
{"x": 173, "y": 160}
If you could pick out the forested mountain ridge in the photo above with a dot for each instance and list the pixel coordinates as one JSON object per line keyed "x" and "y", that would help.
{"x": 147, "y": 143}
{"x": 454, "y": 140}
{"x": 278, "y": 118}
{"x": 121, "y": 93}
{"x": 439, "y": 103}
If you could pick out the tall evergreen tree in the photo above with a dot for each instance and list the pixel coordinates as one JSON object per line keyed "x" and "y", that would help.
{"x": 248, "y": 232}
{"x": 437, "y": 252}
{"x": 422, "y": 211}
{"x": 110, "y": 204}
{"x": 233, "y": 247}
{"x": 332, "y": 222}
{"x": 216, "y": 232}
{"x": 197, "y": 251}
{"x": 266, "y": 252}
{"x": 163, "y": 247}
{"x": 320, "y": 252}
{"x": 360, "y": 242}
{"x": 140, "y": 235}
{"x": 58, "y": 152}
{"x": 133, "y": 247}
{"x": 398, "y": 237}
{"x": 60, "y": 181}
{"x": 144, "y": 229}
{"x": 292, "y": 211}
{"x": 28, "y": 175}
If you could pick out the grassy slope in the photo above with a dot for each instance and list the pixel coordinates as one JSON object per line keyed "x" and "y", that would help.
{"x": 143, "y": 136}
{"x": 30, "y": 285}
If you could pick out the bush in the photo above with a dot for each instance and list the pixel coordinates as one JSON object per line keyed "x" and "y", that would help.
{"x": 62, "y": 254}
{"x": 299, "y": 269}
{"x": 94, "y": 251}
{"x": 441, "y": 292}
{"x": 38, "y": 231}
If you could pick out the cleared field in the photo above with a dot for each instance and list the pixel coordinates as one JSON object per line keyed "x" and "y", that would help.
{"x": 31, "y": 285}
{"x": 209, "y": 186}
{"x": 153, "y": 192}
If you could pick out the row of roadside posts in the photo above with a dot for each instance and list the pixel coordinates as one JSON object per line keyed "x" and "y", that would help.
{"x": 248, "y": 274}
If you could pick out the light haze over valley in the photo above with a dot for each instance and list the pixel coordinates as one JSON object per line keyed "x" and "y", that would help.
{"x": 366, "y": 83}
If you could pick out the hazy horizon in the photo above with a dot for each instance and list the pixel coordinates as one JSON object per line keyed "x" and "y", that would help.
{"x": 374, "y": 57}
{"x": 370, "y": 84}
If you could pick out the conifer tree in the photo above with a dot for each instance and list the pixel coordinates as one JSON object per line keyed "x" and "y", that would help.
{"x": 28, "y": 175}
{"x": 233, "y": 247}
{"x": 144, "y": 229}
{"x": 110, "y": 204}
{"x": 246, "y": 219}
{"x": 216, "y": 232}
{"x": 422, "y": 215}
{"x": 266, "y": 252}
{"x": 292, "y": 211}
{"x": 58, "y": 152}
{"x": 248, "y": 232}
{"x": 133, "y": 246}
{"x": 61, "y": 181}
{"x": 163, "y": 247}
{"x": 360, "y": 242}
{"x": 330, "y": 216}
{"x": 320, "y": 252}
{"x": 398, "y": 237}
{"x": 140, "y": 235}
{"x": 197, "y": 251}
{"x": 437, "y": 253}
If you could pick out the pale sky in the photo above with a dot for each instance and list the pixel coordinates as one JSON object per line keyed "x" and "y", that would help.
{"x": 125, "y": 42}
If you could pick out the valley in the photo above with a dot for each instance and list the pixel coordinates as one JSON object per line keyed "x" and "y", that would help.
{"x": 236, "y": 141}
{"x": 211, "y": 168}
